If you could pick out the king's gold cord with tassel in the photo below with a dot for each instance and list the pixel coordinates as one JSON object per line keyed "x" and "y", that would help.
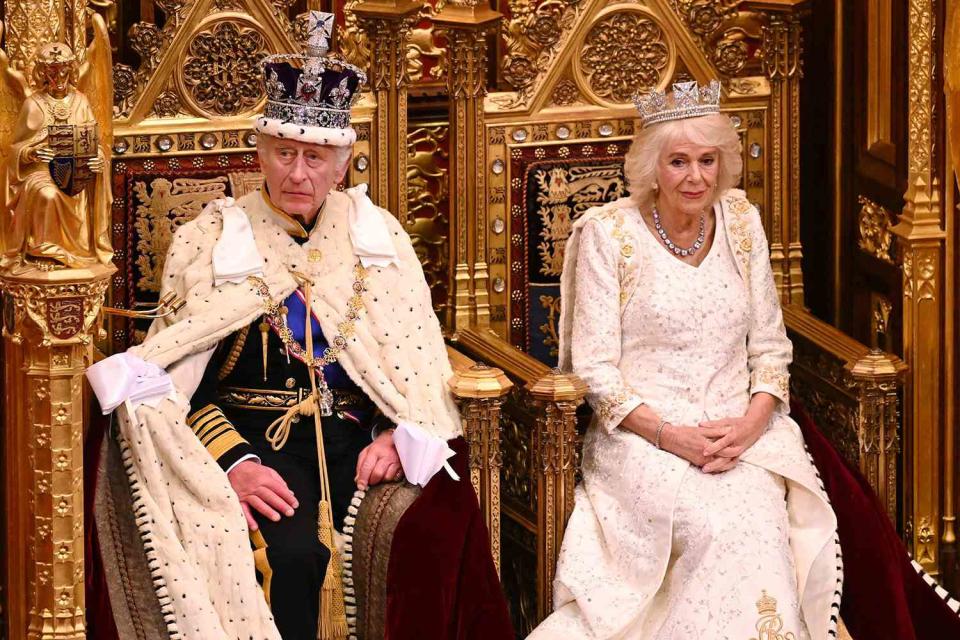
{"x": 333, "y": 613}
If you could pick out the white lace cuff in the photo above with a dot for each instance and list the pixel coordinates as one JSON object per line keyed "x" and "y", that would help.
{"x": 421, "y": 455}
{"x": 126, "y": 378}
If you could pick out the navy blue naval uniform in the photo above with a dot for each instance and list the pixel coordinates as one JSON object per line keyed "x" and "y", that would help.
{"x": 230, "y": 412}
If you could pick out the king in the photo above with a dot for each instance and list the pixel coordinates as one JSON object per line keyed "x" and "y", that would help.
{"x": 305, "y": 365}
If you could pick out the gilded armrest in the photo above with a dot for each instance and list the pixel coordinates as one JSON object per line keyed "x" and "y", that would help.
{"x": 853, "y": 392}
{"x": 541, "y": 453}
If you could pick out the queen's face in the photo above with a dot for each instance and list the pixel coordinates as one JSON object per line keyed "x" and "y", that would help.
{"x": 299, "y": 175}
{"x": 687, "y": 178}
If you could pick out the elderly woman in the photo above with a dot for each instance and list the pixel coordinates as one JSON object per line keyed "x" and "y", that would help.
{"x": 700, "y": 514}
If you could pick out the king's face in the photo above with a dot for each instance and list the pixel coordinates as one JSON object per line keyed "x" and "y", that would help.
{"x": 299, "y": 175}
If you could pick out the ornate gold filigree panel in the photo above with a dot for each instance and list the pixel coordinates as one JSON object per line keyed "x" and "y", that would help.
{"x": 535, "y": 32}
{"x": 428, "y": 221}
{"x": 30, "y": 25}
{"x": 874, "y": 223}
{"x": 50, "y": 320}
{"x": 726, "y": 34}
{"x": 625, "y": 51}
{"x": 204, "y": 61}
{"x": 221, "y": 73}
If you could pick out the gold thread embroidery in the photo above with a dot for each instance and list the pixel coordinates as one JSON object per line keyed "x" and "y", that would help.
{"x": 742, "y": 242}
{"x": 770, "y": 624}
{"x": 606, "y": 405}
{"x": 771, "y": 377}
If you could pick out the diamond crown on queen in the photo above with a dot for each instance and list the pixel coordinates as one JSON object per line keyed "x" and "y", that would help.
{"x": 687, "y": 100}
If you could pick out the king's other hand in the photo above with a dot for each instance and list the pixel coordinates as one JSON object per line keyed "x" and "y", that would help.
{"x": 261, "y": 489}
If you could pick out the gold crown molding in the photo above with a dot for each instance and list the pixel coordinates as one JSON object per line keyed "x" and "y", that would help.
{"x": 199, "y": 136}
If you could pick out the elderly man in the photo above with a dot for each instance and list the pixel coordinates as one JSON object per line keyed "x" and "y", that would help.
{"x": 314, "y": 367}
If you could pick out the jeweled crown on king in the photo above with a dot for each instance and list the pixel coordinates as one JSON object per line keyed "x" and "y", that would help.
{"x": 314, "y": 88}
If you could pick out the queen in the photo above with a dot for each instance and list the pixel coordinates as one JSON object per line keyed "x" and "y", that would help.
{"x": 700, "y": 514}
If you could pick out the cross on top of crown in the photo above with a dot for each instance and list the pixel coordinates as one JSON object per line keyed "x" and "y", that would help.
{"x": 319, "y": 32}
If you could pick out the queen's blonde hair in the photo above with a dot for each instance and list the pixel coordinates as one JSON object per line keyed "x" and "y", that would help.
{"x": 715, "y": 130}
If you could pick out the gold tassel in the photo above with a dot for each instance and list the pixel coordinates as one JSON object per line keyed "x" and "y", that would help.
{"x": 264, "y": 337}
{"x": 283, "y": 312}
{"x": 333, "y": 612}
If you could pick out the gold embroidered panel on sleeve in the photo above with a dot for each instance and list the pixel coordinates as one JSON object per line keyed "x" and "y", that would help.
{"x": 606, "y": 405}
{"x": 772, "y": 378}
{"x": 739, "y": 231}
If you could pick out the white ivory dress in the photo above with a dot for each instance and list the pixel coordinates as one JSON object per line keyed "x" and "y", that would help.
{"x": 656, "y": 549}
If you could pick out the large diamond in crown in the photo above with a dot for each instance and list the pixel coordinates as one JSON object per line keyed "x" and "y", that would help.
{"x": 313, "y": 90}
{"x": 686, "y": 100}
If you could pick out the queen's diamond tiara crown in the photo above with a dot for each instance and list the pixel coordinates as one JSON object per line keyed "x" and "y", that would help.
{"x": 687, "y": 100}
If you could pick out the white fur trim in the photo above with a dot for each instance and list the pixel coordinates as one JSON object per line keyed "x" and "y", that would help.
{"x": 305, "y": 133}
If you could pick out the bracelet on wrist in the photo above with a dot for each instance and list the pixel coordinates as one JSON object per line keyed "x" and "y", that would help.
{"x": 660, "y": 427}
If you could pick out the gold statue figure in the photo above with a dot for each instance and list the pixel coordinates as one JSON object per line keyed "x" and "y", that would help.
{"x": 56, "y": 208}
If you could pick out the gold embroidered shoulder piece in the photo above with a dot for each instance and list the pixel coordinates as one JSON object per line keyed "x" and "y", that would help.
{"x": 738, "y": 227}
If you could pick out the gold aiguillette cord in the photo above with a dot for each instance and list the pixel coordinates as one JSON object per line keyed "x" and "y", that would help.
{"x": 333, "y": 613}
